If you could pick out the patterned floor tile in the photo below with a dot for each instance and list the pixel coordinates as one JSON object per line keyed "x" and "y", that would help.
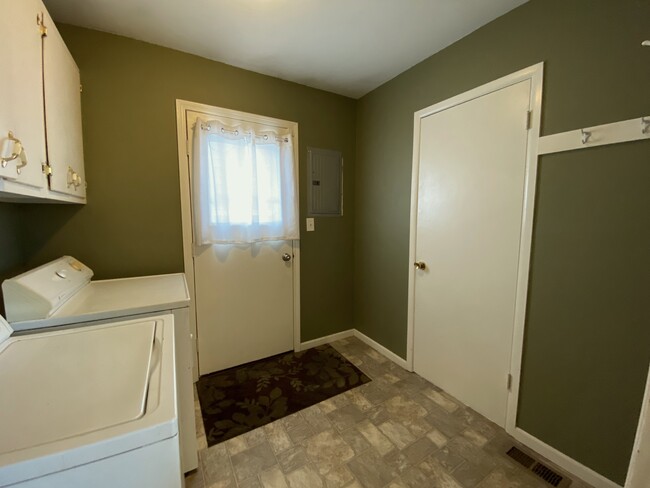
{"x": 370, "y": 470}
{"x": 327, "y": 450}
{"x": 375, "y": 437}
{"x": 250, "y": 462}
{"x": 338, "y": 477}
{"x": 277, "y": 436}
{"x": 273, "y": 478}
{"x": 345, "y": 417}
{"x": 399, "y": 435}
{"x": 292, "y": 459}
{"x": 305, "y": 477}
{"x": 217, "y": 469}
{"x": 399, "y": 431}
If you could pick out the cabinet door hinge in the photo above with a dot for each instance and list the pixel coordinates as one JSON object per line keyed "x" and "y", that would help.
{"x": 529, "y": 119}
{"x": 81, "y": 88}
{"x": 41, "y": 24}
{"x": 509, "y": 382}
{"x": 47, "y": 169}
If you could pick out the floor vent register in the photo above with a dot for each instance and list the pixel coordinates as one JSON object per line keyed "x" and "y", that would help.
{"x": 549, "y": 475}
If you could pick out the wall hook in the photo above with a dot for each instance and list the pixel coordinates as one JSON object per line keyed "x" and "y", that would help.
{"x": 645, "y": 125}
{"x": 585, "y": 136}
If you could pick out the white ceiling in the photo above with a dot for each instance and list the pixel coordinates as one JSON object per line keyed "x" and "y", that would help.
{"x": 348, "y": 47}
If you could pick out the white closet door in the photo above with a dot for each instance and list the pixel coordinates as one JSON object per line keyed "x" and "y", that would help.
{"x": 63, "y": 115}
{"x": 21, "y": 91}
{"x": 470, "y": 203}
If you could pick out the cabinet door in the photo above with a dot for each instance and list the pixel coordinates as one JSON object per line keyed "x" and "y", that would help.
{"x": 21, "y": 93}
{"x": 62, "y": 115}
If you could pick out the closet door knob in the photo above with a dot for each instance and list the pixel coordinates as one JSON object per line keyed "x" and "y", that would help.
{"x": 420, "y": 265}
{"x": 286, "y": 257}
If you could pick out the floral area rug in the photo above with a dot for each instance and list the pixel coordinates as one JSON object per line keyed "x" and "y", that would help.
{"x": 240, "y": 399}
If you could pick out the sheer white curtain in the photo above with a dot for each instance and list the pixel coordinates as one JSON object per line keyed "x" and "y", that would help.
{"x": 244, "y": 184}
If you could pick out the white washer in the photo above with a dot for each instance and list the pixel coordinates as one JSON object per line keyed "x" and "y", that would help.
{"x": 61, "y": 293}
{"x": 90, "y": 406}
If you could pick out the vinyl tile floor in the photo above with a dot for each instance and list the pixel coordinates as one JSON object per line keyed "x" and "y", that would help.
{"x": 398, "y": 431}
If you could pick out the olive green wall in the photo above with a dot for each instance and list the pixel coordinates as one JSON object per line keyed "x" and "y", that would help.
{"x": 132, "y": 224}
{"x": 586, "y": 353}
{"x": 11, "y": 252}
{"x": 588, "y": 330}
{"x": 584, "y": 357}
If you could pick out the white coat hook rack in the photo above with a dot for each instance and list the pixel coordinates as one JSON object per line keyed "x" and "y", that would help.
{"x": 600, "y": 135}
{"x": 645, "y": 124}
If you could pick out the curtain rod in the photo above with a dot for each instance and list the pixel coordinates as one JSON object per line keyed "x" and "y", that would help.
{"x": 236, "y": 132}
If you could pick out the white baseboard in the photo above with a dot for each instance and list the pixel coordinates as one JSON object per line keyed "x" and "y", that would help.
{"x": 560, "y": 459}
{"x": 563, "y": 461}
{"x": 362, "y": 337}
{"x": 326, "y": 340}
{"x": 381, "y": 349}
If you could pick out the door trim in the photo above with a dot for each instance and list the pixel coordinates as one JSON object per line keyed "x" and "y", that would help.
{"x": 183, "y": 106}
{"x": 641, "y": 441}
{"x": 535, "y": 75}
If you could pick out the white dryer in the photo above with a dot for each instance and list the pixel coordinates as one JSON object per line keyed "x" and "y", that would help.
{"x": 90, "y": 406}
{"x": 61, "y": 294}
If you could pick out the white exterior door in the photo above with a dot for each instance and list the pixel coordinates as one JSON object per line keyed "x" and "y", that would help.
{"x": 244, "y": 295}
{"x": 469, "y": 221}
{"x": 244, "y": 303}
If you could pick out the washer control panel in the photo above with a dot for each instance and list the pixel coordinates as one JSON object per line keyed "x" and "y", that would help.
{"x": 38, "y": 293}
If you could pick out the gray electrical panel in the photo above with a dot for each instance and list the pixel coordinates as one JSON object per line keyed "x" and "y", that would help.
{"x": 325, "y": 182}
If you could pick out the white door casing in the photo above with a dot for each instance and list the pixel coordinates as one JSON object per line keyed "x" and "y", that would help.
{"x": 638, "y": 475}
{"x": 455, "y": 192}
{"x": 248, "y": 284}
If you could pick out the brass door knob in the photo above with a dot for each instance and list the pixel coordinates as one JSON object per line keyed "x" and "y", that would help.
{"x": 286, "y": 257}
{"x": 420, "y": 265}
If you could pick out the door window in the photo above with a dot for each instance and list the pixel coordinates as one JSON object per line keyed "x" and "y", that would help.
{"x": 244, "y": 184}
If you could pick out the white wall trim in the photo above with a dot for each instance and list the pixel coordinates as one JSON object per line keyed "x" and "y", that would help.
{"x": 182, "y": 130}
{"x": 381, "y": 349}
{"x": 535, "y": 75}
{"x": 638, "y": 472}
{"x": 600, "y": 135}
{"x": 563, "y": 461}
{"x": 325, "y": 340}
{"x": 296, "y": 275}
{"x": 359, "y": 335}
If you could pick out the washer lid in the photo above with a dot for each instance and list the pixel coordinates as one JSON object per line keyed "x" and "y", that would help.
{"x": 5, "y": 330}
{"x": 62, "y": 384}
{"x": 108, "y": 299}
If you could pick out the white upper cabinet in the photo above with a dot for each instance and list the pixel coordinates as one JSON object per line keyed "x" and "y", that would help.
{"x": 22, "y": 133}
{"x": 40, "y": 109}
{"x": 62, "y": 115}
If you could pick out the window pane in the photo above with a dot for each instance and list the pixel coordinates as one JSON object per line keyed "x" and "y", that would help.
{"x": 269, "y": 188}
